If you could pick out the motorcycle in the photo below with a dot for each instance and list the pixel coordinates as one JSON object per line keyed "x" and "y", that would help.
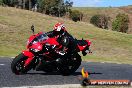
{"x": 42, "y": 54}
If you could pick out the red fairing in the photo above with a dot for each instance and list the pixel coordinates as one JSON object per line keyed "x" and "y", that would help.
{"x": 37, "y": 46}
{"x": 52, "y": 41}
{"x": 31, "y": 38}
{"x": 89, "y": 42}
{"x": 81, "y": 47}
{"x": 27, "y": 53}
{"x": 30, "y": 57}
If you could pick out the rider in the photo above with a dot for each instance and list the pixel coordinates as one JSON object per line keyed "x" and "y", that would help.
{"x": 59, "y": 31}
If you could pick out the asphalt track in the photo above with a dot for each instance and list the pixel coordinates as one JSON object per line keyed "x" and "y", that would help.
{"x": 37, "y": 78}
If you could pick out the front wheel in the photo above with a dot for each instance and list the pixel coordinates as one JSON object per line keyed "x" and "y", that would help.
{"x": 17, "y": 65}
{"x": 70, "y": 66}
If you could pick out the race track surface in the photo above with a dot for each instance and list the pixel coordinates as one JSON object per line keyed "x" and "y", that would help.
{"x": 39, "y": 78}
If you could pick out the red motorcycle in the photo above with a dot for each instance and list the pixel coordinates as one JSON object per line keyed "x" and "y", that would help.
{"x": 42, "y": 54}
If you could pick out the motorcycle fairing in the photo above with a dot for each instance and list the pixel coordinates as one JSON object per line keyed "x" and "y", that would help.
{"x": 31, "y": 38}
{"x": 52, "y": 41}
{"x": 29, "y": 55}
{"x": 88, "y": 42}
{"x": 37, "y": 46}
{"x": 81, "y": 48}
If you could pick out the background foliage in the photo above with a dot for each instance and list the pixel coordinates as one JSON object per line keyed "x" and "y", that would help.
{"x": 76, "y": 15}
{"x": 100, "y": 21}
{"x": 120, "y": 24}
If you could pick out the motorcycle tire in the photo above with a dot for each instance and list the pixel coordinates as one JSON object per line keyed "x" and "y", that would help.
{"x": 67, "y": 68}
{"x": 17, "y": 65}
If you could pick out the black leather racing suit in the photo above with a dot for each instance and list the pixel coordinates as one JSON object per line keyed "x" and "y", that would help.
{"x": 63, "y": 38}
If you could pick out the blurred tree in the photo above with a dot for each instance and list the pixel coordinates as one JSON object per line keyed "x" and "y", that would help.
{"x": 10, "y": 2}
{"x": 100, "y": 21}
{"x": 1, "y": 2}
{"x": 51, "y": 7}
{"x": 76, "y": 15}
{"x": 121, "y": 22}
{"x": 41, "y": 5}
{"x": 6, "y": 2}
{"x": 68, "y": 4}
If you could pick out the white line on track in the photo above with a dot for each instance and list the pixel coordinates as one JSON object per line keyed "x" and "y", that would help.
{"x": 2, "y": 64}
{"x": 51, "y": 86}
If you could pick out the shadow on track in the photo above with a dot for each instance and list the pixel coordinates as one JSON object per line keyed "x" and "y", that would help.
{"x": 56, "y": 73}
{"x": 52, "y": 73}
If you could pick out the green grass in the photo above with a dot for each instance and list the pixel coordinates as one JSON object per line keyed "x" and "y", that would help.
{"x": 107, "y": 46}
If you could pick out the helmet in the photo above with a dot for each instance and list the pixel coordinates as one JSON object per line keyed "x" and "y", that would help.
{"x": 59, "y": 27}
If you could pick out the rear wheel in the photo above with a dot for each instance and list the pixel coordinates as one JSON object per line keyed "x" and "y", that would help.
{"x": 17, "y": 65}
{"x": 70, "y": 66}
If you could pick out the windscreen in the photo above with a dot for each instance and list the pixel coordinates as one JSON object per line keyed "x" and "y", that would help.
{"x": 40, "y": 38}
